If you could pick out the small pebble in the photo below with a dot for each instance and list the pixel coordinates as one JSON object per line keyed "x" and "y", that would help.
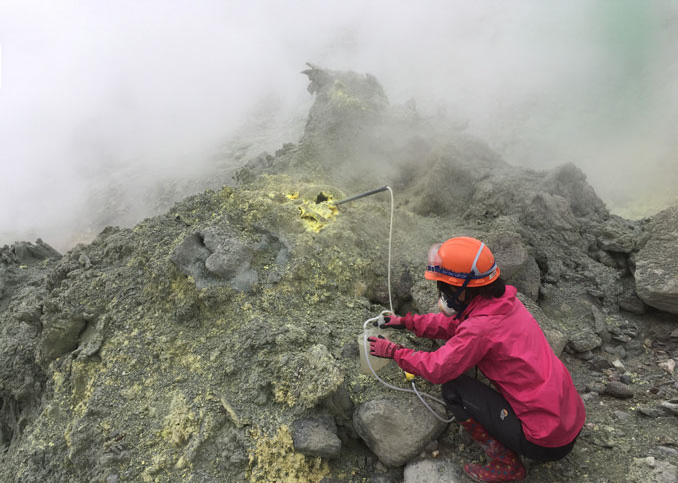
{"x": 668, "y": 451}
{"x": 596, "y": 387}
{"x": 599, "y": 364}
{"x": 621, "y": 415}
{"x": 652, "y": 412}
{"x": 669, "y": 365}
{"x": 618, "y": 389}
{"x": 622, "y": 338}
{"x": 671, "y": 406}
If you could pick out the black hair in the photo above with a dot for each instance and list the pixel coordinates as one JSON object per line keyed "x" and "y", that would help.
{"x": 491, "y": 291}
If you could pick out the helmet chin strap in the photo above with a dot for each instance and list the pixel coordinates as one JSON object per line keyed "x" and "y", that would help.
{"x": 454, "y": 303}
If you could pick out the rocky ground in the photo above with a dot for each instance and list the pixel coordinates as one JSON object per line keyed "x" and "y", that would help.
{"x": 219, "y": 341}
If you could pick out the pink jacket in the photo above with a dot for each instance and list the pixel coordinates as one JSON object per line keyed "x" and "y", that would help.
{"x": 502, "y": 338}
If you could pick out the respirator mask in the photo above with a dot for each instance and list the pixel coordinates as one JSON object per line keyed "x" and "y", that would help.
{"x": 449, "y": 304}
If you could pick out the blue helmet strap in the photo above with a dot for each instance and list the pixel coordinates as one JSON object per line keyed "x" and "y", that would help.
{"x": 454, "y": 303}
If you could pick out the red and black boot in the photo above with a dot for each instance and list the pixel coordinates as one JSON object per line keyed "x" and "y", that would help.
{"x": 504, "y": 465}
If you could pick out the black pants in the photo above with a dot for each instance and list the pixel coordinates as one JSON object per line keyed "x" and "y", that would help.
{"x": 468, "y": 398}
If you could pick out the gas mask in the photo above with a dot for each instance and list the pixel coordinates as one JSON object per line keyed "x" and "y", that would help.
{"x": 450, "y": 304}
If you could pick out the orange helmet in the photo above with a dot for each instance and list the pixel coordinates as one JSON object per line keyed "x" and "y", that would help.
{"x": 463, "y": 262}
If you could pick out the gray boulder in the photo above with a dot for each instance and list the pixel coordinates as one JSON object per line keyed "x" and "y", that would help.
{"x": 656, "y": 271}
{"x": 569, "y": 182}
{"x": 215, "y": 257}
{"x": 585, "y": 341}
{"x": 316, "y": 437}
{"x": 618, "y": 235}
{"x": 428, "y": 470}
{"x": 28, "y": 253}
{"x": 396, "y": 430}
{"x": 190, "y": 255}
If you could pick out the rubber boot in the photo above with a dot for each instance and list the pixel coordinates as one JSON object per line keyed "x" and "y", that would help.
{"x": 504, "y": 465}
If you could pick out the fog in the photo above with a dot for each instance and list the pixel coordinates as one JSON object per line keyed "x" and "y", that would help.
{"x": 104, "y": 101}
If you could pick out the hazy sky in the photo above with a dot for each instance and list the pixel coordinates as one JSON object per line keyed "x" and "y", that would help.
{"x": 107, "y": 96}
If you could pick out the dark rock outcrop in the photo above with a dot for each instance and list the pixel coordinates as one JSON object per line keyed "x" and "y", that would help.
{"x": 23, "y": 268}
{"x": 656, "y": 264}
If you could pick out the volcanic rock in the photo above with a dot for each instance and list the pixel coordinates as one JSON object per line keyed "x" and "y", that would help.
{"x": 316, "y": 437}
{"x": 427, "y": 470}
{"x": 396, "y": 430}
{"x": 619, "y": 390}
{"x": 657, "y": 263}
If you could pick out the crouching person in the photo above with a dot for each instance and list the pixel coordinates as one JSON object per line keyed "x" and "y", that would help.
{"x": 535, "y": 410}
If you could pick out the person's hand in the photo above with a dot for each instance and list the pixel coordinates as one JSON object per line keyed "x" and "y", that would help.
{"x": 395, "y": 322}
{"x": 382, "y": 347}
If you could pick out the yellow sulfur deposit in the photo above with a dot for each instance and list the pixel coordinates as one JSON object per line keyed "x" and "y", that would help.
{"x": 316, "y": 214}
{"x": 274, "y": 459}
{"x": 180, "y": 423}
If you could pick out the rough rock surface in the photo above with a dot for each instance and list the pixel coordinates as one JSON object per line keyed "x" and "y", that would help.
{"x": 186, "y": 348}
{"x": 23, "y": 267}
{"x": 518, "y": 266}
{"x": 652, "y": 471}
{"x": 618, "y": 389}
{"x": 316, "y": 437}
{"x": 396, "y": 429}
{"x": 656, "y": 270}
{"x": 428, "y": 470}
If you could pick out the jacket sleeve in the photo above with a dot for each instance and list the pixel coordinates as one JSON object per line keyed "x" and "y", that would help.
{"x": 433, "y": 326}
{"x": 460, "y": 353}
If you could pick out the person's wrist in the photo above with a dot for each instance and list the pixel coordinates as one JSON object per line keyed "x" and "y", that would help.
{"x": 408, "y": 321}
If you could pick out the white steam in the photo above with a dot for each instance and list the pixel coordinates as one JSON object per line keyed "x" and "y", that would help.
{"x": 111, "y": 100}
